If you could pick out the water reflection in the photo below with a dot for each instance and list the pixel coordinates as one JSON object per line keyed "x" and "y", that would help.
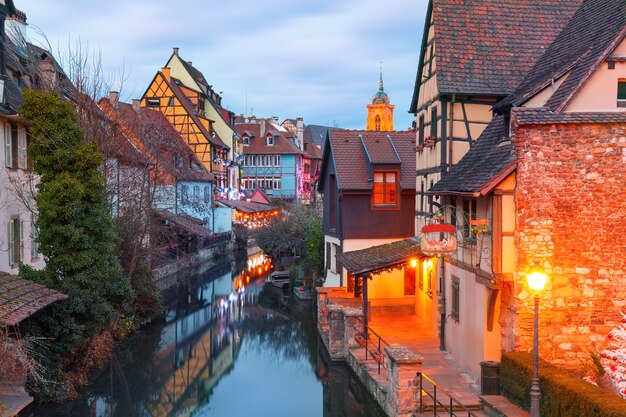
{"x": 227, "y": 346}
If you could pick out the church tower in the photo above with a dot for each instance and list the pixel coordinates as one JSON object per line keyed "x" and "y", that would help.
{"x": 380, "y": 112}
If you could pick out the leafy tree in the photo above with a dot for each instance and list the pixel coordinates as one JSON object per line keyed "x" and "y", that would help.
{"x": 76, "y": 231}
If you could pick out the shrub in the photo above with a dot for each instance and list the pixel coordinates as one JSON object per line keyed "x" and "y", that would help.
{"x": 562, "y": 394}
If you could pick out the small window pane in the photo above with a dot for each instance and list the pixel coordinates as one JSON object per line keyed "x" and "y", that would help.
{"x": 379, "y": 177}
{"x": 621, "y": 90}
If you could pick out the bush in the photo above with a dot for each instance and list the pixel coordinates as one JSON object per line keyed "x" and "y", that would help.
{"x": 562, "y": 394}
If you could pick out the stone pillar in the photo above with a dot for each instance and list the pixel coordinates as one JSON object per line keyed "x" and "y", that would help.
{"x": 402, "y": 381}
{"x": 322, "y": 309}
{"x": 353, "y": 324}
{"x": 336, "y": 333}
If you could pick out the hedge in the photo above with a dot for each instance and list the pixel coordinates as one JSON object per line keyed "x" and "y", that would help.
{"x": 562, "y": 394}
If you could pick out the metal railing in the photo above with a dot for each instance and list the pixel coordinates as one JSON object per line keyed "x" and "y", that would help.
{"x": 450, "y": 407}
{"x": 372, "y": 342}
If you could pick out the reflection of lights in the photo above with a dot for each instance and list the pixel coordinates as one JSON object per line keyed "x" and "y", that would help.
{"x": 259, "y": 270}
{"x": 247, "y": 279}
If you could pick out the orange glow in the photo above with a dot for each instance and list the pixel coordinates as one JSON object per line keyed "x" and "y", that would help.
{"x": 259, "y": 270}
{"x": 247, "y": 279}
{"x": 413, "y": 263}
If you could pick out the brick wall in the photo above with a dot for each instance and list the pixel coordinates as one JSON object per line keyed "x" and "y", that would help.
{"x": 571, "y": 205}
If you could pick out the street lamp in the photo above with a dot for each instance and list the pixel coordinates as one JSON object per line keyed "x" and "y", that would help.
{"x": 536, "y": 281}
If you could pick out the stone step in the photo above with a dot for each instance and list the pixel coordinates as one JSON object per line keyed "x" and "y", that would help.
{"x": 499, "y": 406}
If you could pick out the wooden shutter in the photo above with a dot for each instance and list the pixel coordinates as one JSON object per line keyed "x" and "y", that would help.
{"x": 8, "y": 146}
{"x": 22, "y": 161}
{"x": 11, "y": 243}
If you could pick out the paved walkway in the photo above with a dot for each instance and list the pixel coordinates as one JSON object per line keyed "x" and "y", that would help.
{"x": 403, "y": 328}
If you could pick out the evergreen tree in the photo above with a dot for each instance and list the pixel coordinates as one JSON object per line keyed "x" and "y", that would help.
{"x": 76, "y": 231}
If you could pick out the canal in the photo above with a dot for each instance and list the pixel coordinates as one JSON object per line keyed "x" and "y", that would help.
{"x": 228, "y": 345}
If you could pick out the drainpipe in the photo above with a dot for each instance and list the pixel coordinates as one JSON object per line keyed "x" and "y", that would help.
{"x": 442, "y": 331}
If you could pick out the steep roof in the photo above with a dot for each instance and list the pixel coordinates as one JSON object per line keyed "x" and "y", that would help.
{"x": 490, "y": 156}
{"x": 356, "y": 151}
{"x": 164, "y": 144}
{"x": 20, "y": 298}
{"x": 317, "y": 134}
{"x": 500, "y": 40}
{"x": 592, "y": 33}
{"x": 258, "y": 145}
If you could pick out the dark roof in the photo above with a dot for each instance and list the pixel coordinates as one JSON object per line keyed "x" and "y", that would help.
{"x": 543, "y": 115}
{"x": 487, "y": 158}
{"x": 258, "y": 145}
{"x": 185, "y": 223}
{"x": 354, "y": 165}
{"x": 375, "y": 258}
{"x": 248, "y": 206}
{"x": 20, "y": 298}
{"x": 592, "y": 33}
{"x": 486, "y": 47}
{"x": 161, "y": 140}
{"x": 317, "y": 134}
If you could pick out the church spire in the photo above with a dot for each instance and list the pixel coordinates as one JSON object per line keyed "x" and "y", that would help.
{"x": 380, "y": 112}
{"x": 380, "y": 81}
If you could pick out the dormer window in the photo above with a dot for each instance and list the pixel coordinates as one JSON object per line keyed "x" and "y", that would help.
{"x": 246, "y": 141}
{"x": 621, "y": 92}
{"x": 270, "y": 140}
{"x": 385, "y": 193}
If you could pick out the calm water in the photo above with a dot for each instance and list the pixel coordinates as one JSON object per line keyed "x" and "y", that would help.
{"x": 223, "y": 351}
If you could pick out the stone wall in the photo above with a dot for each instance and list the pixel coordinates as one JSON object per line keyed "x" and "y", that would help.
{"x": 571, "y": 216}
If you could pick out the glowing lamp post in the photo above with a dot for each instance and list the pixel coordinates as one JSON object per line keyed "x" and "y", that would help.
{"x": 536, "y": 281}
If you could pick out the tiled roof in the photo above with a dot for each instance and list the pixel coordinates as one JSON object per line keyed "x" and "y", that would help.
{"x": 531, "y": 116}
{"x": 487, "y": 158}
{"x": 248, "y": 206}
{"x": 312, "y": 151}
{"x": 488, "y": 46}
{"x": 186, "y": 223}
{"x": 20, "y": 298}
{"x": 161, "y": 141}
{"x": 584, "y": 43}
{"x": 353, "y": 165}
{"x": 381, "y": 257}
{"x": 258, "y": 145}
{"x": 317, "y": 134}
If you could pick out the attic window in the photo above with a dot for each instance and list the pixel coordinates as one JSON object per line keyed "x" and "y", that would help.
{"x": 246, "y": 141}
{"x": 270, "y": 141}
{"x": 621, "y": 93}
{"x": 385, "y": 189}
{"x": 153, "y": 102}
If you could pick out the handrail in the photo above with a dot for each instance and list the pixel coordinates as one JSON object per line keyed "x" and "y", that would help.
{"x": 453, "y": 401}
{"x": 363, "y": 336}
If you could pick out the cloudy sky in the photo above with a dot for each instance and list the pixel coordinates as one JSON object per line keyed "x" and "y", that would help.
{"x": 288, "y": 58}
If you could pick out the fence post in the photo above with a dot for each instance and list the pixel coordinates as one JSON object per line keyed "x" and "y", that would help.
{"x": 403, "y": 381}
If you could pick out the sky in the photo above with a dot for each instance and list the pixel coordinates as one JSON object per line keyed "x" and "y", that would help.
{"x": 319, "y": 60}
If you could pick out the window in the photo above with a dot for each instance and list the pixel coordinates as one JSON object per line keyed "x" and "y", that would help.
{"x": 270, "y": 140}
{"x": 276, "y": 160}
{"x": 277, "y": 183}
{"x": 385, "y": 189}
{"x": 15, "y": 242}
{"x": 469, "y": 213}
{"x": 184, "y": 194}
{"x": 377, "y": 122}
{"x": 207, "y": 194}
{"x": 153, "y": 102}
{"x": 246, "y": 141}
{"x": 196, "y": 194}
{"x": 433, "y": 123}
{"x": 11, "y": 146}
{"x": 34, "y": 245}
{"x": 621, "y": 93}
{"x": 455, "y": 298}
{"x": 267, "y": 159}
{"x": 170, "y": 102}
{"x": 421, "y": 130}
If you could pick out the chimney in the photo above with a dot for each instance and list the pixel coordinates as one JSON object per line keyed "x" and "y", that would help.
{"x": 176, "y": 51}
{"x": 166, "y": 73}
{"x": 300, "y": 132}
{"x": 262, "y": 127}
{"x": 136, "y": 105}
{"x": 114, "y": 98}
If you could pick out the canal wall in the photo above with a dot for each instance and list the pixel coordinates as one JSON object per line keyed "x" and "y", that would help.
{"x": 167, "y": 275}
{"x": 390, "y": 374}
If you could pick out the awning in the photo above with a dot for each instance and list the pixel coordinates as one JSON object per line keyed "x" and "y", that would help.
{"x": 20, "y": 298}
{"x": 186, "y": 223}
{"x": 376, "y": 258}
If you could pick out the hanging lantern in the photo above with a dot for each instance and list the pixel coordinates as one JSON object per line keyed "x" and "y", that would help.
{"x": 438, "y": 239}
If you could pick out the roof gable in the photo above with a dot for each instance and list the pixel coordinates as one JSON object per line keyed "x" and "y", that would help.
{"x": 593, "y": 32}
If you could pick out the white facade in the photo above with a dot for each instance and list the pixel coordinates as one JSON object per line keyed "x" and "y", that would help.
{"x": 17, "y": 205}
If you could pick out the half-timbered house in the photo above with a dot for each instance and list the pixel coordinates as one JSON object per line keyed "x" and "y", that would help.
{"x": 473, "y": 54}
{"x": 184, "y": 109}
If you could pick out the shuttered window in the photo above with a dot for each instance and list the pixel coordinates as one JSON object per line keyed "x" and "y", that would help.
{"x": 15, "y": 242}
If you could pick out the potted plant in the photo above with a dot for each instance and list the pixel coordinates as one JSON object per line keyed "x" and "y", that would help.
{"x": 479, "y": 226}
{"x": 429, "y": 141}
